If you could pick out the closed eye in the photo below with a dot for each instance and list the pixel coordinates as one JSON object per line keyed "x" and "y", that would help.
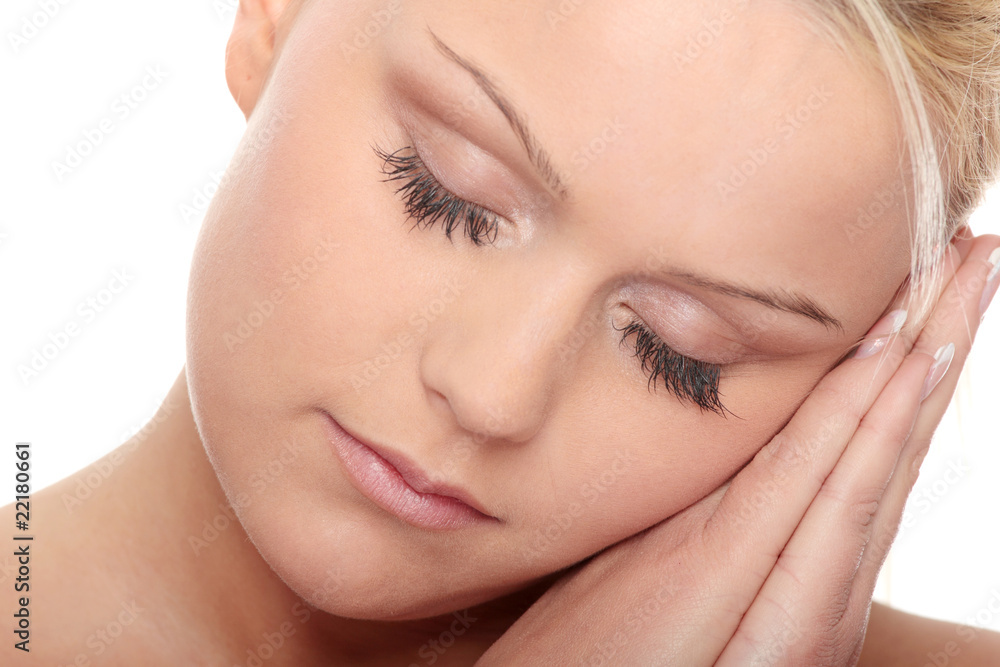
{"x": 686, "y": 378}
{"x": 428, "y": 202}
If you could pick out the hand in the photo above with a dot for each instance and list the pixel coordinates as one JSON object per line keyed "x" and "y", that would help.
{"x": 777, "y": 566}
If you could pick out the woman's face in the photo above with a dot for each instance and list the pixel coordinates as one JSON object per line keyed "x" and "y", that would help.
{"x": 634, "y": 156}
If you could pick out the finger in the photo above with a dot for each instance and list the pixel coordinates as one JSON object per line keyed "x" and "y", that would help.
{"x": 772, "y": 492}
{"x": 963, "y": 315}
{"x": 856, "y": 506}
{"x": 956, "y": 318}
{"x": 807, "y": 593}
{"x": 809, "y": 445}
{"x": 767, "y": 499}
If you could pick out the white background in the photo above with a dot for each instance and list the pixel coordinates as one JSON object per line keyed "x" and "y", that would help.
{"x": 121, "y": 209}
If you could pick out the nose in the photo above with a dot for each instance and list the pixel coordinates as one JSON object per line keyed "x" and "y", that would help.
{"x": 496, "y": 356}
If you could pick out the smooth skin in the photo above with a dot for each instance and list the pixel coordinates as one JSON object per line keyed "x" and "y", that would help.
{"x": 518, "y": 390}
{"x": 778, "y": 567}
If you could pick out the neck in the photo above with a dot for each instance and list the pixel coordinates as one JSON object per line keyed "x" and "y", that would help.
{"x": 161, "y": 528}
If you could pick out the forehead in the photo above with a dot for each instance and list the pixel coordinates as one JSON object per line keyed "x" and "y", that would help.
{"x": 731, "y": 129}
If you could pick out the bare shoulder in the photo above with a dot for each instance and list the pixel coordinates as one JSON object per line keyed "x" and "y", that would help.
{"x": 896, "y": 638}
{"x": 38, "y": 565}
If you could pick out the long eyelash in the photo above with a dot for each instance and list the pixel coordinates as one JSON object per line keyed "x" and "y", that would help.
{"x": 426, "y": 201}
{"x": 686, "y": 378}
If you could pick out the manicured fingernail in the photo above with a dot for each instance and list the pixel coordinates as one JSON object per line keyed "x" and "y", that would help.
{"x": 878, "y": 337}
{"x": 992, "y": 281}
{"x": 942, "y": 360}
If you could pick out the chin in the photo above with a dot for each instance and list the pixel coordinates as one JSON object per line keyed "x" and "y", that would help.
{"x": 386, "y": 598}
{"x": 352, "y": 570}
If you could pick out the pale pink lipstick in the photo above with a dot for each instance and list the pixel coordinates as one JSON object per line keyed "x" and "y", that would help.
{"x": 400, "y": 487}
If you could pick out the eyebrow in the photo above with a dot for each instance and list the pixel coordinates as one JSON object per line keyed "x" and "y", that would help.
{"x": 538, "y": 155}
{"x": 781, "y": 300}
{"x": 778, "y": 299}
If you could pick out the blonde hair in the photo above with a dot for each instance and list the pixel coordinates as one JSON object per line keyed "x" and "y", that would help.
{"x": 942, "y": 59}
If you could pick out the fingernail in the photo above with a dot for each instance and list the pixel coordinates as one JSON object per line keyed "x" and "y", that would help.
{"x": 887, "y": 326}
{"x": 992, "y": 281}
{"x": 942, "y": 360}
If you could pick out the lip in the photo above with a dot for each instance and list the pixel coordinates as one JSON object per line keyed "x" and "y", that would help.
{"x": 400, "y": 487}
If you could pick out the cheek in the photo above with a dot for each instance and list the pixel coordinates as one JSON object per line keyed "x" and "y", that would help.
{"x": 650, "y": 459}
{"x": 305, "y": 278}
{"x": 298, "y": 242}
{"x": 295, "y": 284}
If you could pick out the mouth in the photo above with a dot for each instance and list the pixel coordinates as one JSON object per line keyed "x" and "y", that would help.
{"x": 400, "y": 487}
